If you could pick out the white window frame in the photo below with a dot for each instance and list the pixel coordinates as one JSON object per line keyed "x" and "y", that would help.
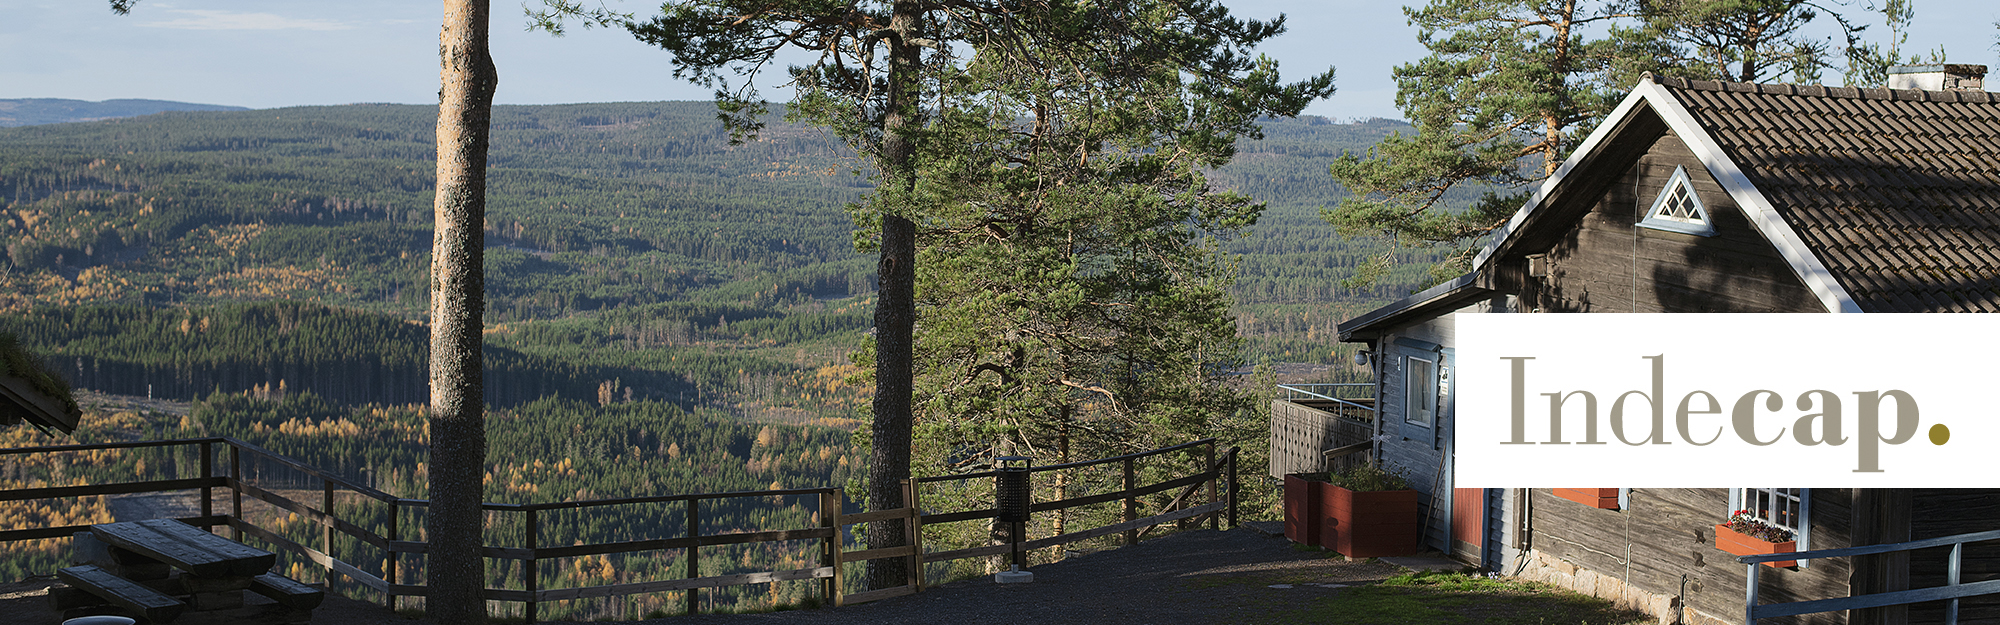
{"x": 1703, "y": 226}
{"x": 1428, "y": 385}
{"x": 1743, "y": 498}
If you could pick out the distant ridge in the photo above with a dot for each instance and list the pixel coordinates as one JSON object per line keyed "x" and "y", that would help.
{"x": 38, "y": 111}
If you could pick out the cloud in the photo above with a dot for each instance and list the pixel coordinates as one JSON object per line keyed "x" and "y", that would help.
{"x": 231, "y": 20}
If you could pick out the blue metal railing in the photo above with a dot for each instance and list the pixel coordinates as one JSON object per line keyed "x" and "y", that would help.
{"x": 1950, "y": 592}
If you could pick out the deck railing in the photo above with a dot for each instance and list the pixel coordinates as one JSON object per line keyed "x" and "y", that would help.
{"x": 1347, "y": 392}
{"x": 1950, "y": 593}
{"x": 1216, "y": 476}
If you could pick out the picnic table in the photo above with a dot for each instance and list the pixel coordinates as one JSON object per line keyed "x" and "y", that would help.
{"x": 164, "y": 570}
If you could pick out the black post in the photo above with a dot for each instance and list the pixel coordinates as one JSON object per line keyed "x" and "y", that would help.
{"x": 1233, "y": 486}
{"x": 395, "y": 557}
{"x": 694, "y": 555}
{"x": 529, "y": 573}
{"x": 1208, "y": 464}
{"x": 1020, "y": 532}
{"x": 235, "y": 492}
{"x": 207, "y": 496}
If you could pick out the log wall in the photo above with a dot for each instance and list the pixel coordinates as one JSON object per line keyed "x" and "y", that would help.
{"x": 1663, "y": 543}
{"x": 1606, "y": 263}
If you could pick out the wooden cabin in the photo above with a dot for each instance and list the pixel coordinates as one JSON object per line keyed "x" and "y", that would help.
{"x": 1703, "y": 196}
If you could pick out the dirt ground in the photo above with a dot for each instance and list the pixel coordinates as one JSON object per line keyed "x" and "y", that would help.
{"x": 1188, "y": 578}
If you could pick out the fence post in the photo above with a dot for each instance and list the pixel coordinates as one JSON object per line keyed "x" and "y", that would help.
{"x": 395, "y": 557}
{"x": 914, "y": 524}
{"x": 1750, "y": 596}
{"x": 235, "y": 492}
{"x": 693, "y": 555}
{"x": 1951, "y": 579}
{"x": 1131, "y": 504}
{"x": 1208, "y": 464}
{"x": 528, "y": 574}
{"x": 829, "y": 516}
{"x": 207, "y": 496}
{"x": 326, "y": 529}
{"x": 1232, "y": 486}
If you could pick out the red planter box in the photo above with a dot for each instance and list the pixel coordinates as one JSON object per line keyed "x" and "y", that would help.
{"x": 1738, "y": 544}
{"x": 1603, "y": 498}
{"x": 1371, "y": 524}
{"x": 1302, "y": 509}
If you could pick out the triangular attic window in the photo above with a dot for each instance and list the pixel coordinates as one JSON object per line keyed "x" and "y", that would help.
{"x": 1678, "y": 209}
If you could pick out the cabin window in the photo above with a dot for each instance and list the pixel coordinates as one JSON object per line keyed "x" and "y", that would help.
{"x": 1679, "y": 209}
{"x": 1789, "y": 508}
{"x": 1420, "y": 392}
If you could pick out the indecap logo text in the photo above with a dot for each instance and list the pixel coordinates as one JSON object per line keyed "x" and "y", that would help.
{"x": 1821, "y": 425}
{"x": 1718, "y": 400}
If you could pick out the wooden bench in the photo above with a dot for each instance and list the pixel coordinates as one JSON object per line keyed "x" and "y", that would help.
{"x": 287, "y": 592}
{"x": 140, "y": 600}
{"x": 208, "y": 587}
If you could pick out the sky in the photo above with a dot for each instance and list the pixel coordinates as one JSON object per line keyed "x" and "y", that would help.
{"x": 277, "y": 53}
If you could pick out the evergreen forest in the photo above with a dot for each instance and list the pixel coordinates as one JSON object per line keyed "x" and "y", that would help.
{"x": 667, "y": 312}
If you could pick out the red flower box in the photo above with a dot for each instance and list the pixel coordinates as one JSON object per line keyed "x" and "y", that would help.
{"x": 1601, "y": 498}
{"x": 1370, "y": 524}
{"x": 1302, "y": 509}
{"x": 1739, "y": 544}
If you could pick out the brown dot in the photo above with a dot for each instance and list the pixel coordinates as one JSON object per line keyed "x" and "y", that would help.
{"x": 1940, "y": 434}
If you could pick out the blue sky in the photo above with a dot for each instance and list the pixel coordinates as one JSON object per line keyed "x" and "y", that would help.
{"x": 272, "y": 53}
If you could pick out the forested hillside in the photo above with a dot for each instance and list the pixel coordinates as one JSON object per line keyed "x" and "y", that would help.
{"x": 593, "y": 207}
{"x": 36, "y": 111}
{"x": 667, "y": 312}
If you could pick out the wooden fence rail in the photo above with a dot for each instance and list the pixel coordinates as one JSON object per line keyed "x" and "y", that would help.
{"x": 1218, "y": 476}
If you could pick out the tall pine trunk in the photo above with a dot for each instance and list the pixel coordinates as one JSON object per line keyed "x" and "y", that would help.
{"x": 457, "y": 418}
{"x": 895, "y": 307}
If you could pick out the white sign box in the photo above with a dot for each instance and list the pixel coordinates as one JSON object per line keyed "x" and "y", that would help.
{"x": 1716, "y": 400}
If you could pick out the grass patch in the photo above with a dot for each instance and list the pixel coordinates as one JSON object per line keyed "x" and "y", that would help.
{"x": 1438, "y": 597}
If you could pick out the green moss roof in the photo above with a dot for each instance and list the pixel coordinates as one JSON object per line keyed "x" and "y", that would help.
{"x": 17, "y": 362}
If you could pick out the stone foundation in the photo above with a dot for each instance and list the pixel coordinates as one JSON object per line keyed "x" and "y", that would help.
{"x": 1561, "y": 573}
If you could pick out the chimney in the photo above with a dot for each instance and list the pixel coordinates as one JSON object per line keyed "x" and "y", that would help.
{"x": 1943, "y": 77}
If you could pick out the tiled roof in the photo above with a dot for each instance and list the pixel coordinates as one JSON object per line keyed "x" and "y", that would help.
{"x": 1896, "y": 191}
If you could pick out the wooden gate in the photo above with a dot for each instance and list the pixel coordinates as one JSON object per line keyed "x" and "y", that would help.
{"x": 835, "y": 557}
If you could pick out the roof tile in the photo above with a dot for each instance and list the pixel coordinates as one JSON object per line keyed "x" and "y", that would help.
{"x": 1896, "y": 191}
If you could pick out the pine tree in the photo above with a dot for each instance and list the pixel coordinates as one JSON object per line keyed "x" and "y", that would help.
{"x": 1511, "y": 86}
{"x": 457, "y": 409}
{"x": 896, "y": 81}
{"x": 1743, "y": 40}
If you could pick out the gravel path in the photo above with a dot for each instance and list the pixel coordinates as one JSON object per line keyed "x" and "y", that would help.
{"x": 1189, "y": 578}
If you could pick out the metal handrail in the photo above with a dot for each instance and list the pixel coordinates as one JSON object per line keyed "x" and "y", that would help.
{"x": 1950, "y": 592}
{"x": 1295, "y": 391}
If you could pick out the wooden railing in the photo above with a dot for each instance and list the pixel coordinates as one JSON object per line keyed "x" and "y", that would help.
{"x": 1218, "y": 476}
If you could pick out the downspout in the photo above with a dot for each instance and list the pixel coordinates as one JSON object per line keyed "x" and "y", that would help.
{"x": 1375, "y": 422}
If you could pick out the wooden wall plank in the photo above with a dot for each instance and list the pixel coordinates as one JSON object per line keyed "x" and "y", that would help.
{"x": 1944, "y": 512}
{"x": 1666, "y": 536}
{"x": 1604, "y": 263}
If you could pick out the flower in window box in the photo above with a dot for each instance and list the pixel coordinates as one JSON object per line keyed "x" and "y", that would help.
{"x": 1745, "y": 534}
